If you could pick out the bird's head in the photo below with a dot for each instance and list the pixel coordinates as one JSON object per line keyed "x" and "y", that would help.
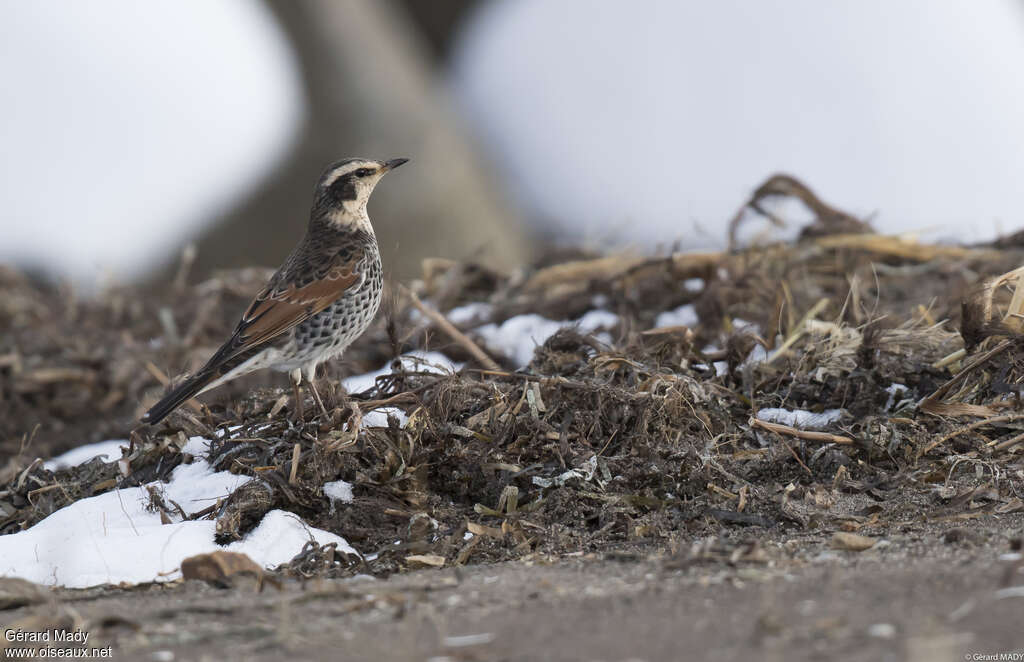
{"x": 345, "y": 187}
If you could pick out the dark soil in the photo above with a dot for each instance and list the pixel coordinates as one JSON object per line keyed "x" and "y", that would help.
{"x": 930, "y": 594}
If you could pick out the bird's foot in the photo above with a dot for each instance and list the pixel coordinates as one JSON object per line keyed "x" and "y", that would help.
{"x": 351, "y": 432}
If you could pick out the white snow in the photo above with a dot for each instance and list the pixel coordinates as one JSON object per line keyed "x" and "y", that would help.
{"x": 418, "y": 361}
{"x": 338, "y": 490}
{"x": 413, "y": 361}
{"x": 112, "y": 538}
{"x": 597, "y": 319}
{"x": 196, "y": 446}
{"x": 743, "y": 326}
{"x": 474, "y": 311}
{"x": 110, "y": 451}
{"x": 378, "y": 418}
{"x": 757, "y": 355}
{"x": 558, "y": 480}
{"x": 682, "y": 316}
{"x": 721, "y": 367}
{"x": 585, "y": 472}
{"x": 896, "y": 392}
{"x": 517, "y": 337}
{"x": 800, "y": 418}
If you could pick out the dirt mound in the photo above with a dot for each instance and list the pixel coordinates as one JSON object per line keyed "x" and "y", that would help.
{"x": 837, "y": 383}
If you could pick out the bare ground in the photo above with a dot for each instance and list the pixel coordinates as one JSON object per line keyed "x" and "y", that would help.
{"x": 932, "y": 592}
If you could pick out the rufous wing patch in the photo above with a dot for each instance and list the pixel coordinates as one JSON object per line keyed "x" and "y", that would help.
{"x": 275, "y": 311}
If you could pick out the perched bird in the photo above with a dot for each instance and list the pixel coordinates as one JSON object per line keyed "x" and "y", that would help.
{"x": 321, "y": 299}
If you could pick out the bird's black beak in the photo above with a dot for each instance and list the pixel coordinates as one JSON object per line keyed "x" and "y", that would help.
{"x": 392, "y": 164}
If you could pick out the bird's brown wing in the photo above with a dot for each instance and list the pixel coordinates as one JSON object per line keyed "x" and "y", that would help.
{"x": 306, "y": 285}
{"x": 276, "y": 309}
{"x": 315, "y": 275}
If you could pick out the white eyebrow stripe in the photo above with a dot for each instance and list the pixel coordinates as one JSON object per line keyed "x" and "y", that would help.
{"x": 344, "y": 170}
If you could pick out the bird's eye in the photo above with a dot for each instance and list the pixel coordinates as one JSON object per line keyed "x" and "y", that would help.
{"x": 364, "y": 172}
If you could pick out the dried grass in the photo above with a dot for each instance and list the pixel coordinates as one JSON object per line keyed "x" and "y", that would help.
{"x": 594, "y": 446}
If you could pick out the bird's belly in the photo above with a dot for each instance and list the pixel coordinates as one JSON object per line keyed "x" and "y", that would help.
{"x": 330, "y": 331}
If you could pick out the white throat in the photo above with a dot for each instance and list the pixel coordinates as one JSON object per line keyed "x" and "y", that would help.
{"x": 352, "y": 215}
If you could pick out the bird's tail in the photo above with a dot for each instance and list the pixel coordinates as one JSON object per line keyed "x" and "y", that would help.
{"x": 190, "y": 387}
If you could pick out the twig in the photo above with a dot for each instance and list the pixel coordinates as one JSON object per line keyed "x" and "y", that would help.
{"x": 950, "y": 358}
{"x": 795, "y": 456}
{"x": 405, "y": 396}
{"x": 829, "y": 220}
{"x": 612, "y": 267}
{"x": 899, "y": 246}
{"x": 1012, "y": 318}
{"x": 453, "y": 333}
{"x": 201, "y": 513}
{"x": 1005, "y": 418}
{"x": 188, "y": 258}
{"x": 1013, "y": 313}
{"x": 582, "y": 271}
{"x": 806, "y": 435}
{"x": 41, "y": 490}
{"x": 296, "y": 451}
{"x": 159, "y": 375}
{"x": 504, "y": 373}
{"x": 928, "y": 403}
{"x": 800, "y": 329}
{"x": 1009, "y": 443}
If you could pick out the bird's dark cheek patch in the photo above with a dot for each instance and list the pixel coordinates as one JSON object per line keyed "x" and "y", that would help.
{"x": 344, "y": 189}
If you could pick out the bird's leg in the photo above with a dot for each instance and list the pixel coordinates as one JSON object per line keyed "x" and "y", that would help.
{"x": 296, "y": 376}
{"x": 311, "y": 375}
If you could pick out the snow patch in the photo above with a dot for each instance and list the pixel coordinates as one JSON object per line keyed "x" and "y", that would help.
{"x": 681, "y": 316}
{"x": 196, "y": 446}
{"x": 413, "y": 361}
{"x": 109, "y": 451}
{"x": 475, "y": 311}
{"x": 518, "y": 337}
{"x": 743, "y": 326}
{"x": 801, "y": 418}
{"x": 757, "y": 355}
{"x": 896, "y": 393}
{"x": 338, "y": 490}
{"x": 378, "y": 418}
{"x": 112, "y": 538}
{"x": 597, "y": 319}
{"x": 585, "y": 472}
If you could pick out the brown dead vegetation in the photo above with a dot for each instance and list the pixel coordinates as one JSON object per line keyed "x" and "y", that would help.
{"x": 648, "y": 441}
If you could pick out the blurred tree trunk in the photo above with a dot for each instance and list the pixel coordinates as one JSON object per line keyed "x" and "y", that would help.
{"x": 438, "y": 21}
{"x": 371, "y": 91}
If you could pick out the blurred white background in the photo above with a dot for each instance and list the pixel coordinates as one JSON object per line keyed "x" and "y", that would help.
{"x": 126, "y": 126}
{"x": 659, "y": 117}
